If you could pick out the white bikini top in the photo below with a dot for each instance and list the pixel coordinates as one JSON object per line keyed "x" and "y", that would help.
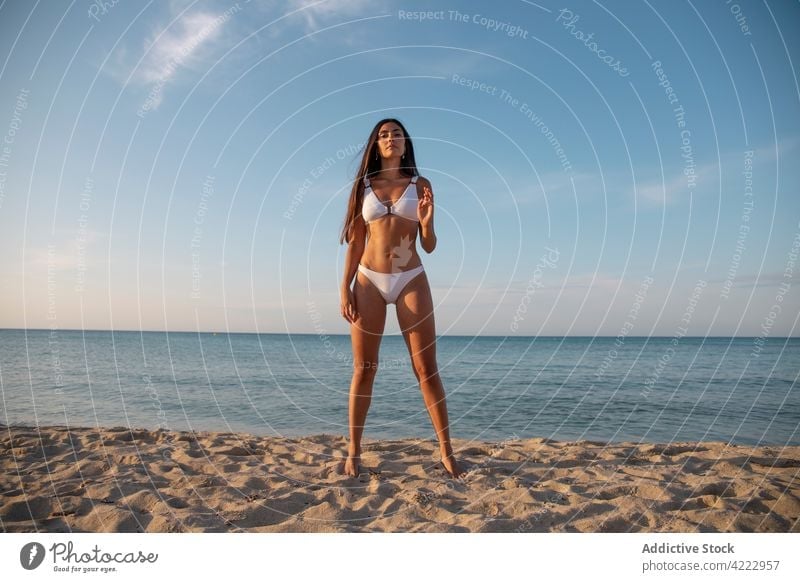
{"x": 406, "y": 205}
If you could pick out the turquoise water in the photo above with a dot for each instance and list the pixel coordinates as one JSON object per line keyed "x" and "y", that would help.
{"x": 565, "y": 388}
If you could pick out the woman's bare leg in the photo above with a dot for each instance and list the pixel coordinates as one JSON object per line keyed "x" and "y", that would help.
{"x": 415, "y": 316}
{"x": 365, "y": 334}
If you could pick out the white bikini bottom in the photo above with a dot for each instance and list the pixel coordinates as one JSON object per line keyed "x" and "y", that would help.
{"x": 390, "y": 284}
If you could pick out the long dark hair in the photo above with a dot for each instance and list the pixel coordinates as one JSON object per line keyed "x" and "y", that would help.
{"x": 371, "y": 165}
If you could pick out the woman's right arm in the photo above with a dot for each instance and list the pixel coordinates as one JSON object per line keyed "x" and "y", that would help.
{"x": 355, "y": 249}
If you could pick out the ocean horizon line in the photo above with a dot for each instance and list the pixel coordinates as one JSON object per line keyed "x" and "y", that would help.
{"x": 298, "y": 333}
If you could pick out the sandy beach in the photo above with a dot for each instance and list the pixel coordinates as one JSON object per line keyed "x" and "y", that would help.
{"x": 56, "y": 479}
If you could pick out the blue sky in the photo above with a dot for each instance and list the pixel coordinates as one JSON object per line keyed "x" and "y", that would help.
{"x": 186, "y": 165}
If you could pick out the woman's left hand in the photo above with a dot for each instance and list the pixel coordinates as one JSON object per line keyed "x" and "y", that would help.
{"x": 425, "y": 206}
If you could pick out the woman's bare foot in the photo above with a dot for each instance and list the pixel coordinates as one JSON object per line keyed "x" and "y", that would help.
{"x": 352, "y": 466}
{"x": 451, "y": 466}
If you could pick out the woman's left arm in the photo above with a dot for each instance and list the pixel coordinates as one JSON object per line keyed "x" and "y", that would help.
{"x": 425, "y": 214}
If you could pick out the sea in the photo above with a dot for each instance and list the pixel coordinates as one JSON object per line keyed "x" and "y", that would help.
{"x": 612, "y": 389}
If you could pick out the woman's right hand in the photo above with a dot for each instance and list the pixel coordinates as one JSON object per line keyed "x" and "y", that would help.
{"x": 348, "y": 306}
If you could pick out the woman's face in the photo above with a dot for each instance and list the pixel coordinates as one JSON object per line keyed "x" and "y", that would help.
{"x": 390, "y": 141}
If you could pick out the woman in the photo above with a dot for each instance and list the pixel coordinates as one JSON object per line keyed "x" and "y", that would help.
{"x": 389, "y": 204}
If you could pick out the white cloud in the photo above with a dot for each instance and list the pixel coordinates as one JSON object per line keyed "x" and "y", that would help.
{"x": 182, "y": 39}
{"x": 676, "y": 186}
{"x": 314, "y": 11}
{"x": 171, "y": 49}
{"x": 72, "y": 250}
{"x": 669, "y": 190}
